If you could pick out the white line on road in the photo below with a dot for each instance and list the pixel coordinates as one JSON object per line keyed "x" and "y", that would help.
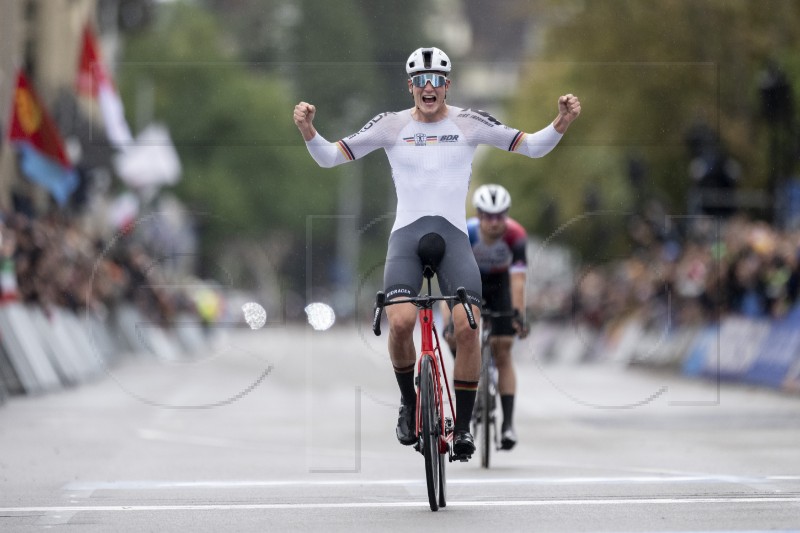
{"x": 586, "y": 480}
{"x": 362, "y": 505}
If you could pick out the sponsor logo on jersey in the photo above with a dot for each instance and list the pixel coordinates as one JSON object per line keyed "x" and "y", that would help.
{"x": 372, "y": 122}
{"x": 480, "y": 116}
{"x": 420, "y": 139}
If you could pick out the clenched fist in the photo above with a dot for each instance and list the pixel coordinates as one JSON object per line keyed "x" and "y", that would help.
{"x": 569, "y": 107}
{"x": 304, "y": 119}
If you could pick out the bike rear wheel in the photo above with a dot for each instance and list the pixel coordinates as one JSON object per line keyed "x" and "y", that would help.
{"x": 429, "y": 412}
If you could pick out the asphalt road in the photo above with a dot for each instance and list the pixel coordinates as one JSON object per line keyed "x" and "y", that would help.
{"x": 288, "y": 429}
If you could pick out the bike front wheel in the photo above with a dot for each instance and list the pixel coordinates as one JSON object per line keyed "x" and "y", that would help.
{"x": 485, "y": 422}
{"x": 431, "y": 429}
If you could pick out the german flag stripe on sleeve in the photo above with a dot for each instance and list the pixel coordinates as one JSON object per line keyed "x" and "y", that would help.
{"x": 518, "y": 138}
{"x": 346, "y": 150}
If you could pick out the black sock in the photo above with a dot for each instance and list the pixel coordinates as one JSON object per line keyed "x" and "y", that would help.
{"x": 405, "y": 379}
{"x": 507, "y": 402}
{"x": 465, "y": 401}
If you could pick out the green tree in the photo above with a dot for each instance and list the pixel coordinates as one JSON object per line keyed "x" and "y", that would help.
{"x": 246, "y": 172}
{"x": 347, "y": 58}
{"x": 645, "y": 72}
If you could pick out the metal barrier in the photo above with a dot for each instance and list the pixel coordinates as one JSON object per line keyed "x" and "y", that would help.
{"x": 23, "y": 347}
{"x": 46, "y": 350}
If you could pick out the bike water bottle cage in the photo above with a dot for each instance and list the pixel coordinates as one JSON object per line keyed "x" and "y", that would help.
{"x": 430, "y": 250}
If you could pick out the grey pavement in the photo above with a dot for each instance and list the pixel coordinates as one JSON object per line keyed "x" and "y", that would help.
{"x": 289, "y": 429}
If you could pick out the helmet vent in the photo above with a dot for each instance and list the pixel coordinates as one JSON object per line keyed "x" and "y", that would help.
{"x": 427, "y": 58}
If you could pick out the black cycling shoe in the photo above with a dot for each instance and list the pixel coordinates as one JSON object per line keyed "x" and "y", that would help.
{"x": 463, "y": 444}
{"x": 406, "y": 425}
{"x": 508, "y": 440}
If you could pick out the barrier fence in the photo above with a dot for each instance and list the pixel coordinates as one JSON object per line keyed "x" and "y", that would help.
{"x": 761, "y": 352}
{"x": 47, "y": 350}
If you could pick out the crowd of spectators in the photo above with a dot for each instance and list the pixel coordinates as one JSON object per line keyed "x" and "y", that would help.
{"x": 681, "y": 272}
{"x": 52, "y": 261}
{"x": 693, "y": 271}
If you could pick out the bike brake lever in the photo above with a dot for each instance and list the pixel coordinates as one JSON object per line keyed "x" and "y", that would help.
{"x": 380, "y": 299}
{"x": 462, "y": 297}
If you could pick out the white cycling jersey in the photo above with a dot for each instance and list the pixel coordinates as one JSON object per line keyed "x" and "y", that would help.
{"x": 431, "y": 162}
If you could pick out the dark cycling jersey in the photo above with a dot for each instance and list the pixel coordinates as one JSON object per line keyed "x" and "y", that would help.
{"x": 506, "y": 254}
{"x": 495, "y": 261}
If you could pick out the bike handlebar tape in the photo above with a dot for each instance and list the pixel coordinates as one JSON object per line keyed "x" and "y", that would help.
{"x": 462, "y": 297}
{"x": 380, "y": 299}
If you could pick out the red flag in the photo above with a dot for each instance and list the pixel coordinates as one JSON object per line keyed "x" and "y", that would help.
{"x": 95, "y": 82}
{"x": 30, "y": 123}
{"x": 36, "y": 138}
{"x": 91, "y": 72}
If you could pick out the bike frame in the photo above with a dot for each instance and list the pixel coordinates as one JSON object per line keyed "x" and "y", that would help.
{"x": 432, "y": 349}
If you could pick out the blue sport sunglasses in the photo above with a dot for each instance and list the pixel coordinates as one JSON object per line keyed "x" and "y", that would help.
{"x": 436, "y": 80}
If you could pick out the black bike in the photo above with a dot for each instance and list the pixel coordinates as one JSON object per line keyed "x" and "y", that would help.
{"x": 484, "y": 416}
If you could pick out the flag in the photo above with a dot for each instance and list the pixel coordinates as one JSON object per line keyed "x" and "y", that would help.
{"x": 94, "y": 81}
{"x": 35, "y": 136}
{"x": 151, "y": 161}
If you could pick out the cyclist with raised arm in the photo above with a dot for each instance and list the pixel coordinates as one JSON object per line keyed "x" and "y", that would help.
{"x": 430, "y": 148}
{"x": 499, "y": 243}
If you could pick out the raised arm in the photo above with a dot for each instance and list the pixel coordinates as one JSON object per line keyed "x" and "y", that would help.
{"x": 543, "y": 141}
{"x": 325, "y": 153}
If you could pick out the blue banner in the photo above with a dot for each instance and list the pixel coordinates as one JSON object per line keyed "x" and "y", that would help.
{"x": 60, "y": 181}
{"x": 778, "y": 352}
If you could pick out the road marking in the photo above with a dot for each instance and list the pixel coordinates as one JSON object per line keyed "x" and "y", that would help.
{"x": 372, "y": 505}
{"x": 589, "y": 480}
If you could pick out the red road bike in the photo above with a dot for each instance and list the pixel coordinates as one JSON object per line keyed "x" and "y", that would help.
{"x": 434, "y": 428}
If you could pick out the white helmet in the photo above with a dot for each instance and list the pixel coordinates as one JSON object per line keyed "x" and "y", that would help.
{"x": 491, "y": 199}
{"x": 427, "y": 60}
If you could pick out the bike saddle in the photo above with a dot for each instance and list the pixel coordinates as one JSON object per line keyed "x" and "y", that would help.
{"x": 430, "y": 251}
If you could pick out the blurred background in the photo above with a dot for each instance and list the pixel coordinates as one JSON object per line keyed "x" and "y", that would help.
{"x": 149, "y": 144}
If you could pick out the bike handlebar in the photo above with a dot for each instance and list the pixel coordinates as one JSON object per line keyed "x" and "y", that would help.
{"x": 423, "y": 302}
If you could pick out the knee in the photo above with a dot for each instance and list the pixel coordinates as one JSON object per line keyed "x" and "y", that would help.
{"x": 464, "y": 334}
{"x": 401, "y": 326}
{"x": 501, "y": 348}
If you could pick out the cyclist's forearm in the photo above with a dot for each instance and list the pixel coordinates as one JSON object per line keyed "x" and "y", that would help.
{"x": 325, "y": 153}
{"x": 542, "y": 142}
{"x": 308, "y": 132}
{"x": 518, "y": 281}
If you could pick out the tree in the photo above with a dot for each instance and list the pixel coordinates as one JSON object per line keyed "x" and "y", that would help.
{"x": 645, "y": 72}
{"x": 246, "y": 171}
